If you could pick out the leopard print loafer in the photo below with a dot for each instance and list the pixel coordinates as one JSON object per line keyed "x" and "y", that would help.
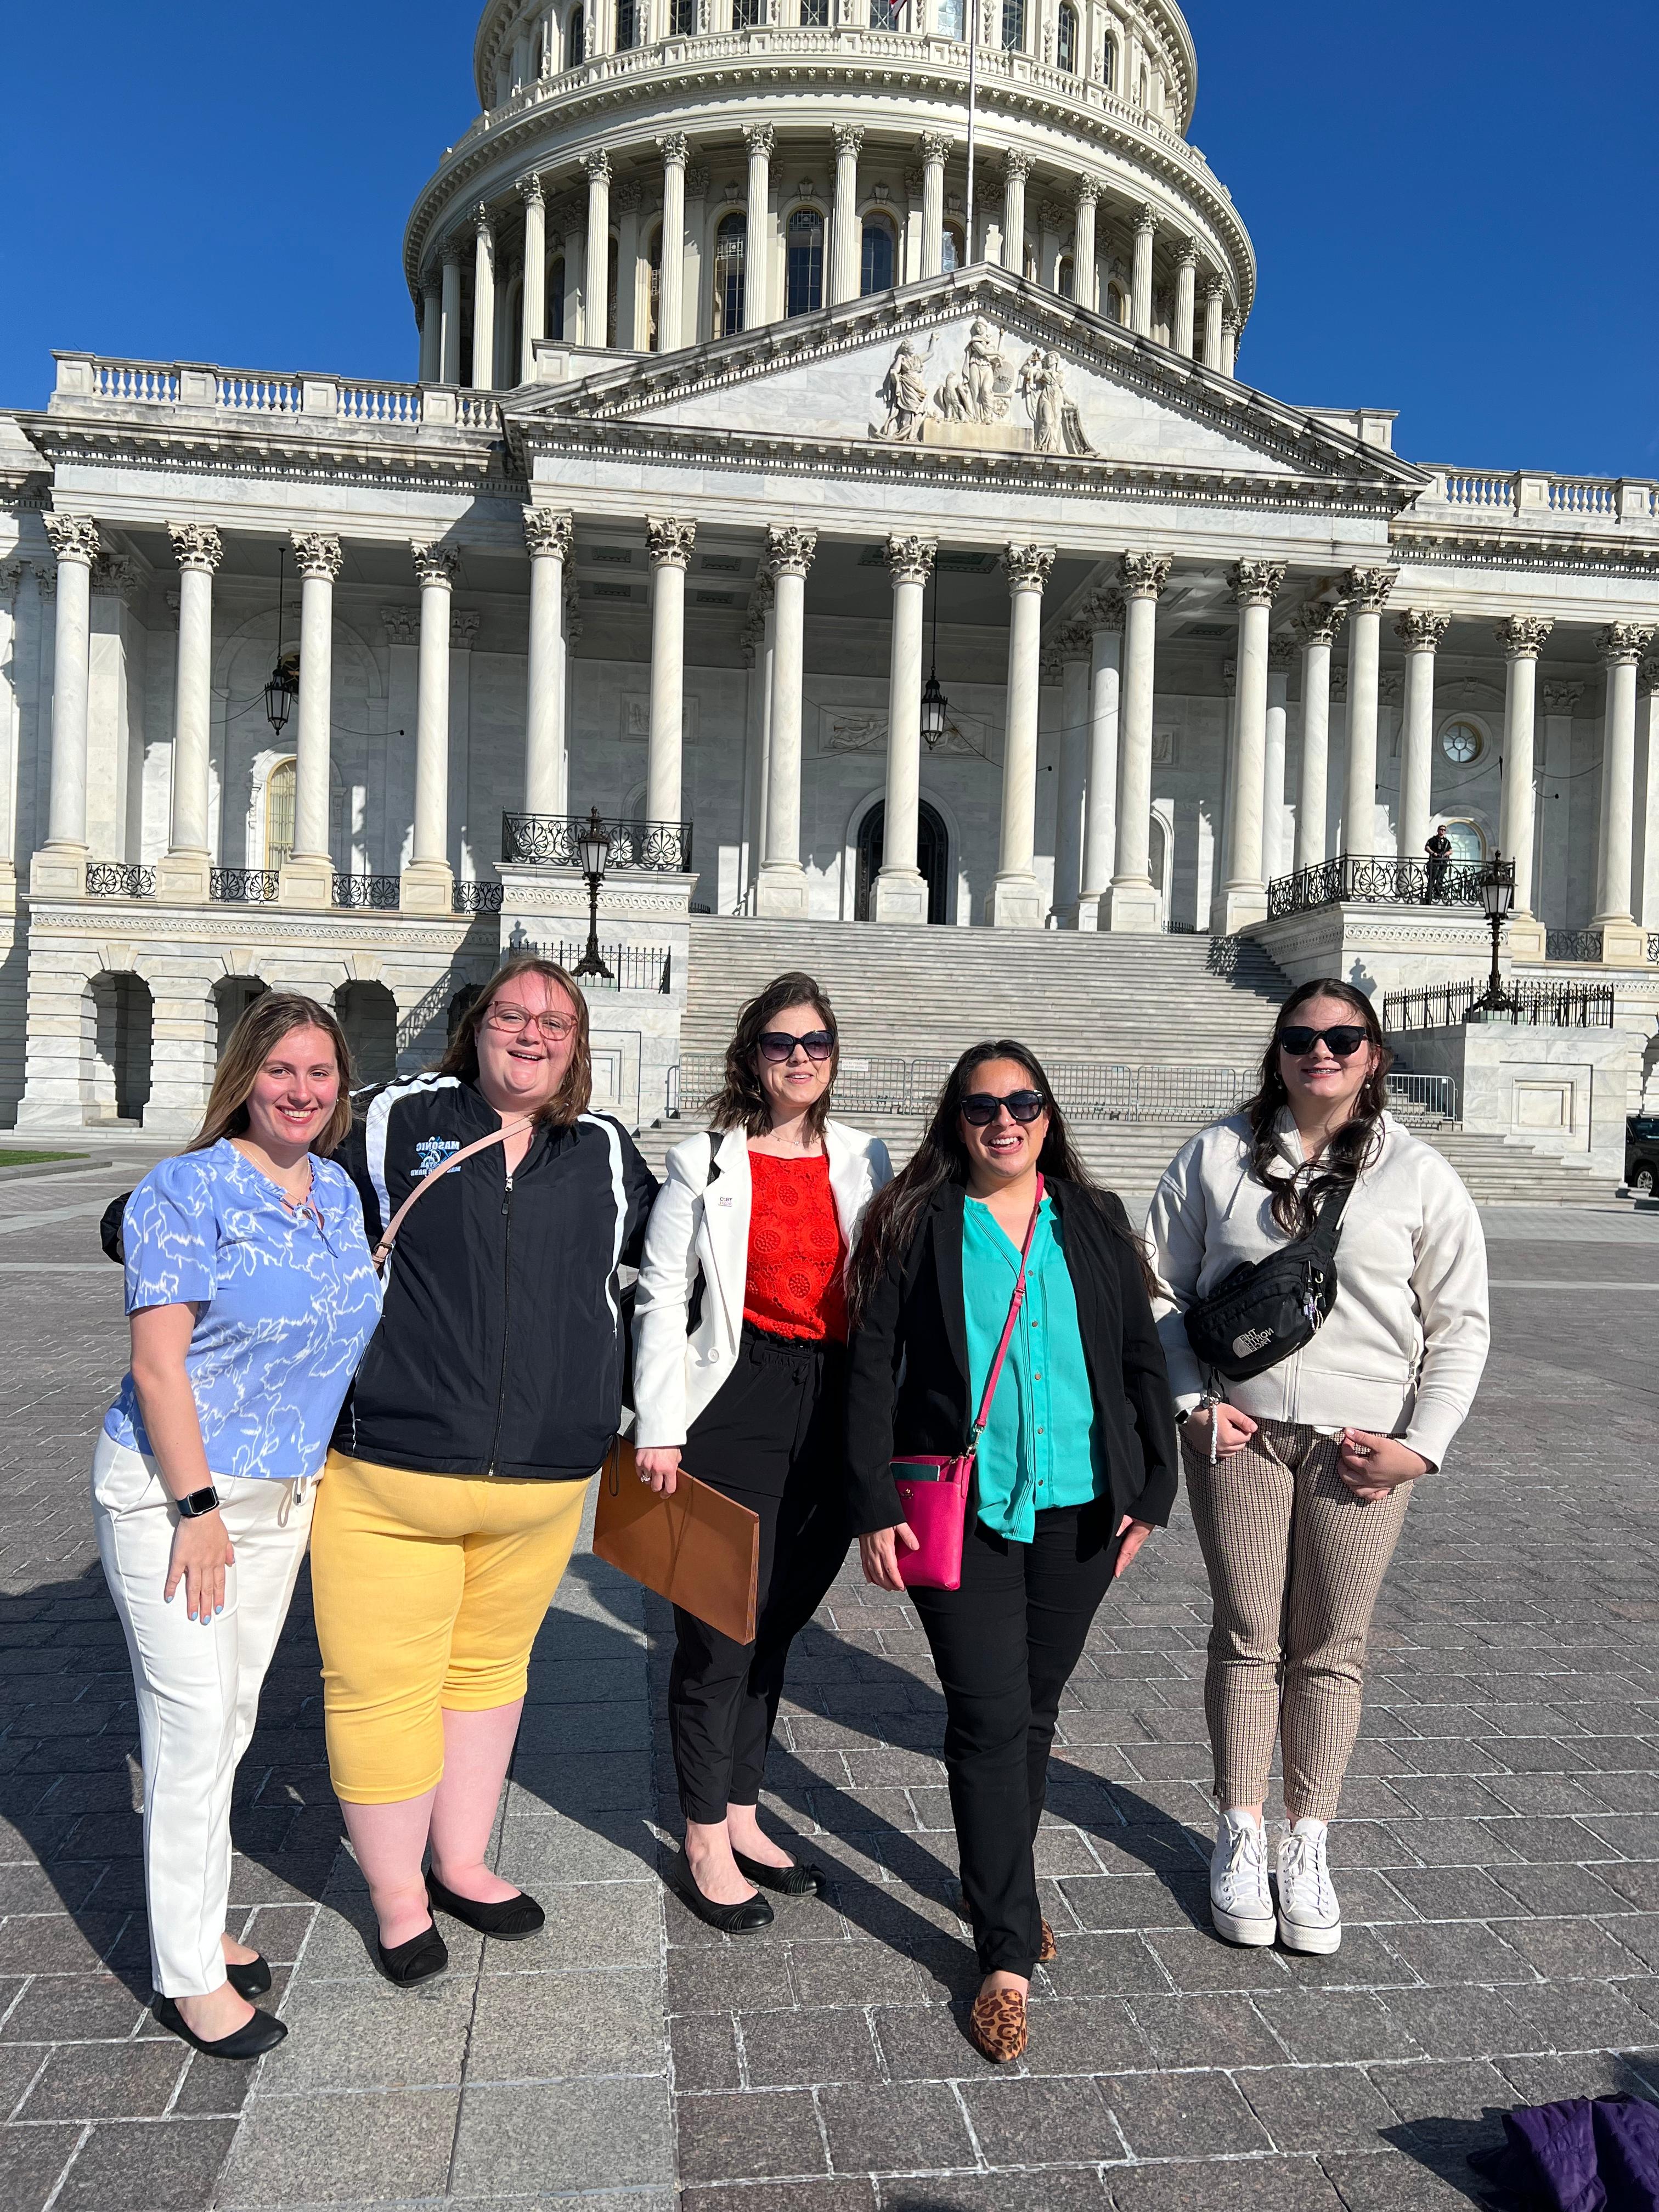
{"x": 996, "y": 2025}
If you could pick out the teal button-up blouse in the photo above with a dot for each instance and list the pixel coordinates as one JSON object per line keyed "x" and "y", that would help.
{"x": 1040, "y": 1446}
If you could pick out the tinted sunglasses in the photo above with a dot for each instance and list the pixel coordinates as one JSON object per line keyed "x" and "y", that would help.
{"x": 778, "y": 1046}
{"x": 980, "y": 1107}
{"x": 1345, "y": 1040}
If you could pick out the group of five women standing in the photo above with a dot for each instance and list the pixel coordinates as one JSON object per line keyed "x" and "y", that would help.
{"x": 805, "y": 1321}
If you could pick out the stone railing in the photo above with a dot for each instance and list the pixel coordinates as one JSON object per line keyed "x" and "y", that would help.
{"x": 92, "y": 379}
{"x": 1531, "y": 499}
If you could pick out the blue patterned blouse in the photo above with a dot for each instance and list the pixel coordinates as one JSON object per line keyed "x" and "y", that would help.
{"x": 287, "y": 1305}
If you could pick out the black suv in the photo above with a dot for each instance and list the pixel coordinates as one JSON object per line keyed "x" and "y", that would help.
{"x": 1641, "y": 1153}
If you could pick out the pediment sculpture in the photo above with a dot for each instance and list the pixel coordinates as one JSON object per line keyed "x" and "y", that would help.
{"x": 972, "y": 403}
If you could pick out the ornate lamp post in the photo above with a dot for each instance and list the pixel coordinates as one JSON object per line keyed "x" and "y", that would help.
{"x": 594, "y": 846}
{"x": 1497, "y": 897}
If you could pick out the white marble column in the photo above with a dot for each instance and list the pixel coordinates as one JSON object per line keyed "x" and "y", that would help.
{"x": 1647, "y": 761}
{"x": 1141, "y": 280}
{"x": 11, "y": 688}
{"x": 59, "y": 867}
{"x": 548, "y": 537}
{"x": 1016, "y": 900}
{"x": 669, "y": 541}
{"x": 900, "y": 890}
{"x": 1228, "y": 363}
{"x": 429, "y": 882}
{"x": 432, "y": 326}
{"x": 183, "y": 875}
{"x": 1244, "y": 891}
{"x": 1623, "y": 944}
{"x": 1523, "y": 640}
{"x": 758, "y": 137}
{"x": 781, "y": 891}
{"x": 1185, "y": 300}
{"x": 484, "y": 300}
{"x": 1275, "y": 857}
{"x": 630, "y": 266}
{"x": 1215, "y": 293}
{"x": 675, "y": 149}
{"x": 1016, "y": 167}
{"x": 1085, "y": 282}
{"x": 1367, "y": 592}
{"x": 534, "y": 318}
{"x": 596, "y": 262}
{"x": 574, "y": 222}
{"x": 846, "y": 237}
{"x": 935, "y": 150}
{"x": 1316, "y": 626}
{"x": 1134, "y": 904}
{"x": 1075, "y": 648}
{"x": 307, "y": 876}
{"x": 449, "y": 348}
{"x": 1104, "y": 615}
{"x": 1420, "y": 629}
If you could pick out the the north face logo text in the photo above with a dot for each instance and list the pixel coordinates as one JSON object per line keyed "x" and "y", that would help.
{"x": 1252, "y": 1340}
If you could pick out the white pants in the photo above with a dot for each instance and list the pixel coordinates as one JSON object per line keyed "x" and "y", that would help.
{"x": 198, "y": 1687}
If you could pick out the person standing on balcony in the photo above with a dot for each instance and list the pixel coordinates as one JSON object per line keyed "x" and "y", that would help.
{"x": 739, "y": 1371}
{"x": 491, "y": 1392}
{"x": 251, "y": 1294}
{"x": 1300, "y": 1477}
{"x": 1439, "y": 850}
{"x": 1076, "y": 1467}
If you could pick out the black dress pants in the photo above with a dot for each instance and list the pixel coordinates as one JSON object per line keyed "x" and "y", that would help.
{"x": 1005, "y": 1645}
{"x": 772, "y": 1440}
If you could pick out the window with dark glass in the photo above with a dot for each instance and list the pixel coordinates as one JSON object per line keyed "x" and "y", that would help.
{"x": 682, "y": 18}
{"x": 612, "y": 260}
{"x": 815, "y": 15}
{"x": 875, "y": 262}
{"x": 1013, "y": 25}
{"x": 804, "y": 262}
{"x": 1065, "y": 41}
{"x": 950, "y": 249}
{"x": 1107, "y": 63}
{"x": 556, "y": 300}
{"x": 748, "y": 14}
{"x": 731, "y": 246}
{"x": 653, "y": 291}
{"x": 575, "y": 44}
{"x": 1065, "y": 283}
{"x": 888, "y": 14}
{"x": 628, "y": 25}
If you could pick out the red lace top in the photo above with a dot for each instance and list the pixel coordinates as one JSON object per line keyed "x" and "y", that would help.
{"x": 795, "y": 1251}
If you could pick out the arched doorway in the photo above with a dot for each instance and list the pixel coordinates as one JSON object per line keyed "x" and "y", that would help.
{"x": 933, "y": 858}
{"x": 122, "y": 1035}
{"x": 367, "y": 1013}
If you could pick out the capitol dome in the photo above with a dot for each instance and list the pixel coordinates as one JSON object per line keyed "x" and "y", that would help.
{"x": 796, "y": 154}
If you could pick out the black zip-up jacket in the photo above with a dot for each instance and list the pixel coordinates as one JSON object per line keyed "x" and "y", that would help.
{"x": 907, "y": 1380}
{"x": 499, "y": 1348}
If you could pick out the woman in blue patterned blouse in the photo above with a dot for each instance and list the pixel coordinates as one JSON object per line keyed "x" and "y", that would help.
{"x": 251, "y": 1294}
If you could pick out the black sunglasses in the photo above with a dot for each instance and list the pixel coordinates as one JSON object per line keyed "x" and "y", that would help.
{"x": 1345, "y": 1040}
{"x": 778, "y": 1046}
{"x": 980, "y": 1107}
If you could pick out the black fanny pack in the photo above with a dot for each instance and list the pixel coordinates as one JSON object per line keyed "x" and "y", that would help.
{"x": 1268, "y": 1309}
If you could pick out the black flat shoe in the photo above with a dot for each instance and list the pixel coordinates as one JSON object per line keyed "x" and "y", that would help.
{"x": 731, "y": 1919}
{"x": 509, "y": 1922}
{"x": 417, "y": 1960}
{"x": 251, "y": 1980}
{"x": 798, "y": 1880}
{"x": 252, "y": 2040}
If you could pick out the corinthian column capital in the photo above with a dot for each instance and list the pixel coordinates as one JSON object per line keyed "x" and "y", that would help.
{"x": 435, "y": 564}
{"x": 668, "y": 541}
{"x": 1015, "y": 166}
{"x": 910, "y": 560}
{"x": 1523, "y": 636}
{"x": 1367, "y": 589}
{"x": 318, "y": 555}
{"x": 759, "y": 138}
{"x": 1420, "y": 629}
{"x": 1027, "y": 567}
{"x": 935, "y": 146}
{"x": 196, "y": 545}
{"x": 1087, "y": 192}
{"x": 598, "y": 167}
{"x": 789, "y": 551}
{"x": 1281, "y": 655}
{"x": 74, "y": 537}
{"x": 1253, "y": 583}
{"x": 675, "y": 147}
{"x": 483, "y": 225}
{"x": 1145, "y": 217}
{"x": 1622, "y": 644}
{"x": 1073, "y": 641}
{"x": 1104, "y": 610}
{"x": 548, "y": 531}
{"x": 1319, "y": 622}
{"x": 1144, "y": 575}
{"x": 530, "y": 190}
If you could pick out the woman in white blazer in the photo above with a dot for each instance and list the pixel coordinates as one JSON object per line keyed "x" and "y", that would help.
{"x": 739, "y": 1376}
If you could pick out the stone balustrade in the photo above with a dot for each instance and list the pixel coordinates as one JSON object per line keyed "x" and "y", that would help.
{"x": 1533, "y": 499}
{"x": 94, "y": 380}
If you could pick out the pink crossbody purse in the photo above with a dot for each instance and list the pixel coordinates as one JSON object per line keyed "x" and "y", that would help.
{"x": 382, "y": 1251}
{"x": 936, "y": 1505}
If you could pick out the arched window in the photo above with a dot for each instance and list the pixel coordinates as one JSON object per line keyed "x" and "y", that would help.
{"x": 804, "y": 262}
{"x": 1108, "y": 64}
{"x": 556, "y": 299}
{"x": 279, "y": 813}
{"x": 1013, "y": 27}
{"x": 653, "y": 291}
{"x": 575, "y": 38}
{"x": 731, "y": 246}
{"x": 948, "y": 19}
{"x": 1117, "y": 303}
{"x": 1065, "y": 280}
{"x": 682, "y": 18}
{"x": 628, "y": 25}
{"x": 875, "y": 262}
{"x": 1143, "y": 88}
{"x": 1065, "y": 40}
{"x": 951, "y": 248}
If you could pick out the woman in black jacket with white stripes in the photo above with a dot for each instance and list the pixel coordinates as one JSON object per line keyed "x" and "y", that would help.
{"x": 489, "y": 1393}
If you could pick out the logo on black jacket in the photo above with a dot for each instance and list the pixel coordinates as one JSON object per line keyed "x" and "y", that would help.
{"x": 432, "y": 1152}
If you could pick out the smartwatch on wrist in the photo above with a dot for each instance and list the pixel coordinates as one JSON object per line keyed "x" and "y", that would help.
{"x": 199, "y": 1502}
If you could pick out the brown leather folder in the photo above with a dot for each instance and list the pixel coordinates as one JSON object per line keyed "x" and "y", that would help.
{"x": 695, "y": 1547}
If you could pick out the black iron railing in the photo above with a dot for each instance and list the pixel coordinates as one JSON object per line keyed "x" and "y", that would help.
{"x": 633, "y": 967}
{"x": 119, "y": 879}
{"x": 242, "y": 886}
{"x": 1572, "y": 944}
{"x": 383, "y": 891}
{"x": 1536, "y": 1006}
{"x": 555, "y": 840}
{"x": 476, "y": 898}
{"x": 1376, "y": 879}
{"x": 1653, "y": 945}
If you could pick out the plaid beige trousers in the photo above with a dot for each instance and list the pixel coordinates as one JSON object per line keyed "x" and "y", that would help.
{"x": 1295, "y": 1563}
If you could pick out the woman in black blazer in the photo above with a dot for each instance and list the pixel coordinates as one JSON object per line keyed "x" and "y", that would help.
{"x": 1076, "y": 1467}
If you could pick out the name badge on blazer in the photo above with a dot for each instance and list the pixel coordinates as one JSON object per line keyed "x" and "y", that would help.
{"x": 723, "y": 1199}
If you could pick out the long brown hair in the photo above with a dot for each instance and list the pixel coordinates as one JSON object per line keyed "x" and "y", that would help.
{"x": 258, "y": 1031}
{"x": 576, "y": 1087}
{"x": 894, "y": 1214}
{"x": 1297, "y": 1199}
{"x": 741, "y": 1101}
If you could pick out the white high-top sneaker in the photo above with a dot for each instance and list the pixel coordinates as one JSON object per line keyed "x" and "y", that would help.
{"x": 1310, "y": 1917}
{"x": 1241, "y": 1903}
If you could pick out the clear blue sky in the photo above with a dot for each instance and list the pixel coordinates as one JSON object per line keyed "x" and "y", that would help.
{"x": 1454, "y": 204}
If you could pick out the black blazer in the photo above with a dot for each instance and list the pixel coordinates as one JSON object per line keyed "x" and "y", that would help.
{"x": 907, "y": 1381}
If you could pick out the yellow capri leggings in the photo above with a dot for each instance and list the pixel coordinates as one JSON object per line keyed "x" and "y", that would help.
{"x": 428, "y": 1590}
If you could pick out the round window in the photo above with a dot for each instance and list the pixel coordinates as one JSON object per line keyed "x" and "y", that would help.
{"x": 1461, "y": 742}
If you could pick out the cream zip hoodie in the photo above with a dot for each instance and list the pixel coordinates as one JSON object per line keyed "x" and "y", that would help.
{"x": 1402, "y": 1349}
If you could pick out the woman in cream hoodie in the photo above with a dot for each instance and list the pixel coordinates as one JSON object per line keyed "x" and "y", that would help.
{"x": 1300, "y": 1478}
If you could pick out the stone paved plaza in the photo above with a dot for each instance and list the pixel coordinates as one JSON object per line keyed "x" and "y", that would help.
{"x": 1499, "y": 1860}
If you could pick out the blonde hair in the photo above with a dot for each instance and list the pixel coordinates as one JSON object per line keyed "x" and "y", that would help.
{"x": 576, "y": 1085}
{"x": 273, "y": 1016}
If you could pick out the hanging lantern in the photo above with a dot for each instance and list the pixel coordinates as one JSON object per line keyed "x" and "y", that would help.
{"x": 934, "y": 705}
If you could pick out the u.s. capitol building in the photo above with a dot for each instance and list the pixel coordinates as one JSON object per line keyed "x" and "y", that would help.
{"x": 862, "y": 530}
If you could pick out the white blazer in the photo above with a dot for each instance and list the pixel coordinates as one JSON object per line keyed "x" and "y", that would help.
{"x": 700, "y": 1224}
